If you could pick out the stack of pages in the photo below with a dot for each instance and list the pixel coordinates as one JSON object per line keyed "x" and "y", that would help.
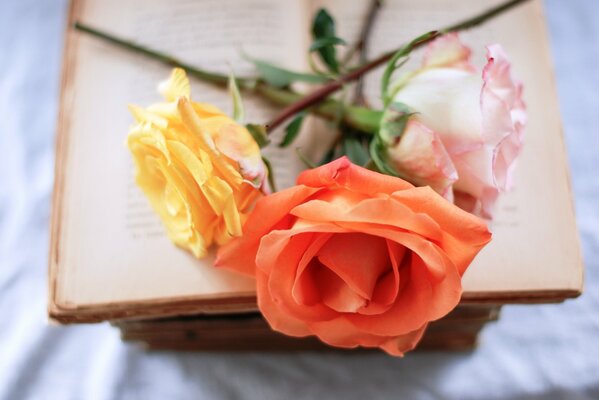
{"x": 110, "y": 258}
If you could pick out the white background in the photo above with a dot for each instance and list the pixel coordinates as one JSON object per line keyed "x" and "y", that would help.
{"x": 533, "y": 352}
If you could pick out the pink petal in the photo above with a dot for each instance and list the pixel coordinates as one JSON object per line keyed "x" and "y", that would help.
{"x": 448, "y": 51}
{"x": 421, "y": 157}
{"x": 504, "y": 115}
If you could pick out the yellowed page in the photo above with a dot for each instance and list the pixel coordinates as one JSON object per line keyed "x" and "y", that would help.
{"x": 111, "y": 246}
{"x": 535, "y": 249}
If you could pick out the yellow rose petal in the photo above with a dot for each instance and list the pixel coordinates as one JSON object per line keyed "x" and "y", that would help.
{"x": 193, "y": 176}
{"x": 175, "y": 86}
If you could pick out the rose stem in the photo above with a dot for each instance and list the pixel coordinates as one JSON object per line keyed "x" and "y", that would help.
{"x": 333, "y": 86}
{"x": 358, "y": 117}
{"x": 362, "y": 48}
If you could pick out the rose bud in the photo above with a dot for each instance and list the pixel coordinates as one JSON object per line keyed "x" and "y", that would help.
{"x": 355, "y": 257}
{"x": 464, "y": 121}
{"x": 200, "y": 170}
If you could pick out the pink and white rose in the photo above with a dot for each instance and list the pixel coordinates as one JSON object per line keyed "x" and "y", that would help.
{"x": 468, "y": 128}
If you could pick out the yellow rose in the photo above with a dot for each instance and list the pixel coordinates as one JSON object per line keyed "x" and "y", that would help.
{"x": 201, "y": 171}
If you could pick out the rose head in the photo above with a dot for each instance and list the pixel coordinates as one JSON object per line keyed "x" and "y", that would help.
{"x": 355, "y": 257}
{"x": 468, "y": 129}
{"x": 200, "y": 170}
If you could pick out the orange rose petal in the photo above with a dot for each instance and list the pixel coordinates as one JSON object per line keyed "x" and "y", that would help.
{"x": 436, "y": 261}
{"x": 464, "y": 233}
{"x": 304, "y": 290}
{"x": 342, "y": 173}
{"x": 269, "y": 213}
{"x": 441, "y": 273}
{"x": 342, "y": 333}
{"x": 358, "y": 259}
{"x": 409, "y": 311}
{"x": 400, "y": 345}
{"x": 375, "y": 211}
{"x": 275, "y": 242}
{"x": 341, "y": 198}
{"x": 277, "y": 319}
{"x": 281, "y": 278}
{"x": 334, "y": 291}
{"x": 418, "y": 302}
{"x": 387, "y": 287}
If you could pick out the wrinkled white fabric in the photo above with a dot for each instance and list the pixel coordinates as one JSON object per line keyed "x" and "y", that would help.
{"x": 533, "y": 352}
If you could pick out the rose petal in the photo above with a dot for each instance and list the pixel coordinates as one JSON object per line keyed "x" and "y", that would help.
{"x": 271, "y": 311}
{"x": 358, "y": 259}
{"x": 477, "y": 180}
{"x": 411, "y": 308}
{"x": 447, "y": 51}
{"x": 421, "y": 156}
{"x": 175, "y": 86}
{"x": 270, "y": 212}
{"x": 382, "y": 211}
{"x": 388, "y": 285}
{"x": 464, "y": 233}
{"x": 448, "y": 102}
{"x": 432, "y": 254}
{"x": 504, "y": 114}
{"x": 304, "y": 289}
{"x": 342, "y": 173}
{"x": 400, "y": 345}
{"x": 334, "y": 291}
{"x": 279, "y": 255}
{"x": 341, "y": 333}
{"x": 419, "y": 301}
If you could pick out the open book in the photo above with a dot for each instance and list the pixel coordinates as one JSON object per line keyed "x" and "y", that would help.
{"x": 110, "y": 257}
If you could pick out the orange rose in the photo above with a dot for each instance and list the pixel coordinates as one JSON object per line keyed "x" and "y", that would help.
{"x": 355, "y": 257}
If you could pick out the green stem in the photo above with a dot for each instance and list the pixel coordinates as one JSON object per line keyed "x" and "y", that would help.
{"x": 167, "y": 59}
{"x": 357, "y": 117}
{"x": 361, "y": 118}
{"x": 318, "y": 102}
{"x": 327, "y": 89}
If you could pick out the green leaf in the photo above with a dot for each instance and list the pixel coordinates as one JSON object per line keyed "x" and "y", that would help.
{"x": 323, "y": 27}
{"x": 238, "y": 110}
{"x": 355, "y": 151}
{"x": 323, "y": 24}
{"x": 305, "y": 159}
{"x": 379, "y": 156}
{"x": 259, "y": 134}
{"x": 271, "y": 175}
{"x": 319, "y": 43}
{"x": 292, "y": 130}
{"x": 281, "y": 77}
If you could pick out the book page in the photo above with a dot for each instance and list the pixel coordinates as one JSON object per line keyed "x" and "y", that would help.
{"x": 535, "y": 247}
{"x": 112, "y": 246}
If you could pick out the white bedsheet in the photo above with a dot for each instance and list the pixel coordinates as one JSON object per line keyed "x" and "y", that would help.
{"x": 533, "y": 352}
